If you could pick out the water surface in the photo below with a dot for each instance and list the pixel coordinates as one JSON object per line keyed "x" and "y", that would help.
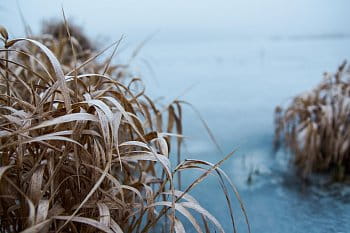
{"x": 240, "y": 59}
{"x": 237, "y": 84}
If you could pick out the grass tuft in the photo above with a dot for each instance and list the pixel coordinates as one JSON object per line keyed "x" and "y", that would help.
{"x": 82, "y": 147}
{"x": 315, "y": 127}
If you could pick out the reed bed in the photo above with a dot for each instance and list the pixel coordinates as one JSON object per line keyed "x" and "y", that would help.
{"x": 315, "y": 127}
{"x": 84, "y": 149}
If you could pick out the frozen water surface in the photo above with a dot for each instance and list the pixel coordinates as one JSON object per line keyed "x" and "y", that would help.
{"x": 239, "y": 59}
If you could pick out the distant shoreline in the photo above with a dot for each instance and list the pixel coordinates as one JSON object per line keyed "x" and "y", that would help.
{"x": 336, "y": 36}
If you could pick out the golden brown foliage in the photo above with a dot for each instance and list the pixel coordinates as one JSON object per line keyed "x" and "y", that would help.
{"x": 316, "y": 126}
{"x": 83, "y": 149}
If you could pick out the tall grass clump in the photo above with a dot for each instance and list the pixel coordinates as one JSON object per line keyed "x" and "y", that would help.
{"x": 315, "y": 127}
{"x": 83, "y": 149}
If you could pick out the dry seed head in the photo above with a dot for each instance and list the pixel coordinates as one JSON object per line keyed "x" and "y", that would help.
{"x": 3, "y": 33}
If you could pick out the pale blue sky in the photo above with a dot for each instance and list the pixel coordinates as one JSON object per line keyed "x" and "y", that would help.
{"x": 238, "y": 17}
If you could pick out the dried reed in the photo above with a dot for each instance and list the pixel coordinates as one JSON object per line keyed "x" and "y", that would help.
{"x": 83, "y": 149}
{"x": 315, "y": 127}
